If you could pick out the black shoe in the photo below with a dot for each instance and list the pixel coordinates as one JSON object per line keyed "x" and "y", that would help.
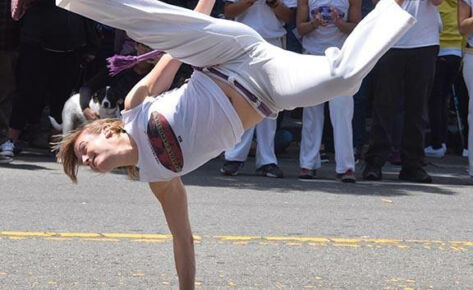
{"x": 270, "y": 170}
{"x": 307, "y": 174}
{"x": 347, "y": 177}
{"x": 231, "y": 168}
{"x": 372, "y": 172}
{"x": 415, "y": 174}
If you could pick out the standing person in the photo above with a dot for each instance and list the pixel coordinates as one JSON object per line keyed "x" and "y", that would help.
{"x": 51, "y": 41}
{"x": 267, "y": 17}
{"x": 9, "y": 35}
{"x": 323, "y": 24}
{"x": 242, "y": 80}
{"x": 465, "y": 26}
{"x": 447, "y": 68}
{"x": 407, "y": 70}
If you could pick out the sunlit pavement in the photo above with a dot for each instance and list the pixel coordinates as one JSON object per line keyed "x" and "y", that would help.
{"x": 250, "y": 232}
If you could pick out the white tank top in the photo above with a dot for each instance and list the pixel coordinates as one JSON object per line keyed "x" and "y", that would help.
{"x": 181, "y": 130}
{"x": 470, "y": 36}
{"x": 426, "y": 31}
{"x": 317, "y": 41}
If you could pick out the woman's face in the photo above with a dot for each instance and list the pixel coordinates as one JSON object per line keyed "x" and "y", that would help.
{"x": 98, "y": 151}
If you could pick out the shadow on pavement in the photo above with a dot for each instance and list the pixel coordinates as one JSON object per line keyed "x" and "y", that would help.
{"x": 209, "y": 176}
{"x": 27, "y": 159}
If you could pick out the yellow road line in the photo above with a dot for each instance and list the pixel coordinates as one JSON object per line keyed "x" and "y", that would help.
{"x": 27, "y": 234}
{"x": 244, "y": 240}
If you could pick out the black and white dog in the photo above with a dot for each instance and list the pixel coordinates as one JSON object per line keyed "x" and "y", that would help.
{"x": 104, "y": 102}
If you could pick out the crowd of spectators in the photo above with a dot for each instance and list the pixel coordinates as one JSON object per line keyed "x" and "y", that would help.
{"x": 415, "y": 103}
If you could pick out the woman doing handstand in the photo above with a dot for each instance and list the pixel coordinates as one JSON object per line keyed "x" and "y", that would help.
{"x": 239, "y": 79}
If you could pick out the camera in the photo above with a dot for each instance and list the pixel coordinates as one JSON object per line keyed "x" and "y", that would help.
{"x": 326, "y": 13}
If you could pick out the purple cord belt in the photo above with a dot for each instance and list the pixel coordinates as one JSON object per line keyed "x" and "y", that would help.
{"x": 257, "y": 103}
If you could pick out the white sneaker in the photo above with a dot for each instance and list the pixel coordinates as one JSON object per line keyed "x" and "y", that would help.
{"x": 435, "y": 153}
{"x": 7, "y": 148}
{"x": 465, "y": 153}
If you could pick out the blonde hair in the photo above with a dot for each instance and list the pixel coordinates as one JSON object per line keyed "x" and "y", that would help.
{"x": 65, "y": 146}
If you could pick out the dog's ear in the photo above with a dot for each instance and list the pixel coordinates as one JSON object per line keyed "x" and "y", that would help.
{"x": 114, "y": 97}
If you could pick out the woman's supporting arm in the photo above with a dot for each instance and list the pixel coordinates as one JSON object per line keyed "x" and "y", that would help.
{"x": 173, "y": 199}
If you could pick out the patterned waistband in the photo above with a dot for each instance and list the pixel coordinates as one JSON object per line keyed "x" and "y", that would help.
{"x": 252, "y": 99}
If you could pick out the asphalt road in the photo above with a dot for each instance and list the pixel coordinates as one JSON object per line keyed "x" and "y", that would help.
{"x": 251, "y": 232}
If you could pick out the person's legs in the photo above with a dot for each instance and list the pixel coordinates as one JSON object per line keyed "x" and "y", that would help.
{"x": 235, "y": 157}
{"x": 445, "y": 73}
{"x": 396, "y": 132}
{"x": 265, "y": 132}
{"x": 31, "y": 86}
{"x": 240, "y": 151}
{"x": 468, "y": 76}
{"x": 194, "y": 38}
{"x": 454, "y": 63}
{"x": 470, "y": 134}
{"x": 437, "y": 103}
{"x": 28, "y": 102}
{"x": 419, "y": 76}
{"x": 387, "y": 89}
{"x": 359, "y": 113}
{"x": 283, "y": 79}
{"x": 461, "y": 95}
{"x": 312, "y": 129}
{"x": 7, "y": 87}
{"x": 306, "y": 80}
{"x": 266, "y": 161}
{"x": 341, "y": 115}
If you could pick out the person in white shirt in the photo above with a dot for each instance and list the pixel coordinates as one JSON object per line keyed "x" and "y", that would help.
{"x": 323, "y": 24}
{"x": 465, "y": 25}
{"x": 239, "y": 80}
{"x": 267, "y": 18}
{"x": 405, "y": 73}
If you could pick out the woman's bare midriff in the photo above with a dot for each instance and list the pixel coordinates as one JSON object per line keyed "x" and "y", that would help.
{"x": 248, "y": 115}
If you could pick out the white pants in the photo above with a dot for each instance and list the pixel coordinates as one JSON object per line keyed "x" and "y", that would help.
{"x": 341, "y": 115}
{"x": 468, "y": 76}
{"x": 279, "y": 78}
{"x": 265, "y": 132}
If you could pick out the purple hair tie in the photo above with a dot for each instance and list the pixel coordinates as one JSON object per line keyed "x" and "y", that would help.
{"x": 118, "y": 63}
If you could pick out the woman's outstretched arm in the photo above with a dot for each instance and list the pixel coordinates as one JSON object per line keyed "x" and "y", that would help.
{"x": 173, "y": 199}
{"x": 157, "y": 81}
{"x": 161, "y": 76}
